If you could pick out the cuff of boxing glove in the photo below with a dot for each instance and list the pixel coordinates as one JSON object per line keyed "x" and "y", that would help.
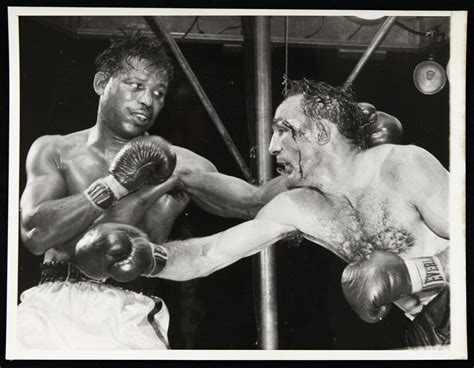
{"x": 160, "y": 257}
{"x": 105, "y": 192}
{"x": 426, "y": 273}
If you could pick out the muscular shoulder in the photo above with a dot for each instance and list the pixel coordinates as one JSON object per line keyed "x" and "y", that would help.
{"x": 403, "y": 160}
{"x": 412, "y": 169}
{"x": 51, "y": 146}
{"x": 46, "y": 146}
{"x": 189, "y": 161}
{"x": 58, "y": 142}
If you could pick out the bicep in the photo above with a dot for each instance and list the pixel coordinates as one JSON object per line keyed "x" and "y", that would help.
{"x": 189, "y": 161}
{"x": 246, "y": 239}
{"x": 199, "y": 257}
{"x": 44, "y": 179}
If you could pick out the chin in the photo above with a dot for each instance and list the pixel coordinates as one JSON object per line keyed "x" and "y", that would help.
{"x": 134, "y": 131}
{"x": 292, "y": 181}
{"x": 295, "y": 179}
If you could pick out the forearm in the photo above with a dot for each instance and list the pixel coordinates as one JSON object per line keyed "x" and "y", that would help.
{"x": 228, "y": 196}
{"x": 199, "y": 257}
{"x": 55, "y": 222}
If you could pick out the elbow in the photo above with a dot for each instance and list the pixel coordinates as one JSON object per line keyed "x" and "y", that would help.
{"x": 252, "y": 211}
{"x": 254, "y": 205}
{"x": 33, "y": 245}
{"x": 33, "y": 235}
{"x": 200, "y": 168}
{"x": 32, "y": 241}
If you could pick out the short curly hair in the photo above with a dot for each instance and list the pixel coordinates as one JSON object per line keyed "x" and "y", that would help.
{"x": 131, "y": 45}
{"x": 323, "y": 101}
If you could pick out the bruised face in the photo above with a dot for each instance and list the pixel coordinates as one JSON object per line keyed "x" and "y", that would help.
{"x": 131, "y": 99}
{"x": 294, "y": 141}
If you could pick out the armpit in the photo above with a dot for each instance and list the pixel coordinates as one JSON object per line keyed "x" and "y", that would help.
{"x": 293, "y": 239}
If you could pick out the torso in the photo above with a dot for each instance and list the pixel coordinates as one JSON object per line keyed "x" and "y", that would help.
{"x": 373, "y": 217}
{"x": 81, "y": 164}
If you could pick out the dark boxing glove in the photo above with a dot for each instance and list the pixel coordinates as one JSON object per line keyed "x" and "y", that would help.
{"x": 120, "y": 251}
{"x": 371, "y": 285}
{"x": 381, "y": 128}
{"x": 145, "y": 159}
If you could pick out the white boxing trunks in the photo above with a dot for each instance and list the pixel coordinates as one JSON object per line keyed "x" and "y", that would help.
{"x": 90, "y": 315}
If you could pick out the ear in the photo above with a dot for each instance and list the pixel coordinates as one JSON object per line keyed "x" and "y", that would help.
{"x": 100, "y": 81}
{"x": 324, "y": 132}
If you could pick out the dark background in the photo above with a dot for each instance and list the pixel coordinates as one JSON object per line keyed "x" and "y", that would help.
{"x": 217, "y": 312}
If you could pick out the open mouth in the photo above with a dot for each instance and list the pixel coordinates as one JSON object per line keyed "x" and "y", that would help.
{"x": 141, "y": 117}
{"x": 284, "y": 168}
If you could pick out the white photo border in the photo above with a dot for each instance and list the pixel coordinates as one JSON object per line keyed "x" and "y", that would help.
{"x": 457, "y": 78}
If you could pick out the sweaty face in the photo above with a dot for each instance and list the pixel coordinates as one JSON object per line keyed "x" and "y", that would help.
{"x": 294, "y": 141}
{"x": 132, "y": 98}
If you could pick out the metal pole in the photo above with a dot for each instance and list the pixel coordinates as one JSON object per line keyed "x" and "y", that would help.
{"x": 158, "y": 29}
{"x": 382, "y": 32}
{"x": 268, "y": 313}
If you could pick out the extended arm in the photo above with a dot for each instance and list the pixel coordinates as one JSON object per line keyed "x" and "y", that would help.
{"x": 229, "y": 196}
{"x": 100, "y": 252}
{"x": 192, "y": 258}
{"x": 49, "y": 216}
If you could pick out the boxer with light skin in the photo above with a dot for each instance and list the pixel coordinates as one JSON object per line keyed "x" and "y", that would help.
{"x": 111, "y": 172}
{"x": 383, "y": 210}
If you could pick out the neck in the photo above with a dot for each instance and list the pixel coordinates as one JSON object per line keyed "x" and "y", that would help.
{"x": 335, "y": 169}
{"x": 105, "y": 140}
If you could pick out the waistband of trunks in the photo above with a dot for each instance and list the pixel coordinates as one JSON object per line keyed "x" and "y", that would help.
{"x": 64, "y": 271}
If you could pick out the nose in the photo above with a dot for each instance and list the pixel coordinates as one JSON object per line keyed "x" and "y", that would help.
{"x": 275, "y": 145}
{"x": 146, "y": 98}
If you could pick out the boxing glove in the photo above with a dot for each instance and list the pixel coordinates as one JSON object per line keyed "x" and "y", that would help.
{"x": 120, "y": 251}
{"x": 381, "y": 127}
{"x": 145, "y": 159}
{"x": 371, "y": 285}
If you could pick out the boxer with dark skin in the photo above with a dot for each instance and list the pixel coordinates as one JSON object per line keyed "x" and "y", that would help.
{"x": 383, "y": 210}
{"x": 61, "y": 200}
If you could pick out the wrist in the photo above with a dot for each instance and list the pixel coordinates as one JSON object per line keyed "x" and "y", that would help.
{"x": 426, "y": 273}
{"x": 160, "y": 257}
{"x": 105, "y": 192}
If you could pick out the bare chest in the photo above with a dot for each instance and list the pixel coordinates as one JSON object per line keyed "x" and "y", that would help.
{"x": 371, "y": 221}
{"x": 153, "y": 214}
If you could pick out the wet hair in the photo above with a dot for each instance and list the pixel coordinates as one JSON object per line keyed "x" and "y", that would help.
{"x": 323, "y": 101}
{"x": 131, "y": 45}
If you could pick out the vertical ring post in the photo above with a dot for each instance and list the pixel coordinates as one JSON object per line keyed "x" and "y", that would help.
{"x": 266, "y": 260}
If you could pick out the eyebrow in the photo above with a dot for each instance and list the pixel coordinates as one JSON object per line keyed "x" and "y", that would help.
{"x": 280, "y": 122}
{"x": 158, "y": 85}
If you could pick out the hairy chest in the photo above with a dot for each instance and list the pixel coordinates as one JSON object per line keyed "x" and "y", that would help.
{"x": 370, "y": 221}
